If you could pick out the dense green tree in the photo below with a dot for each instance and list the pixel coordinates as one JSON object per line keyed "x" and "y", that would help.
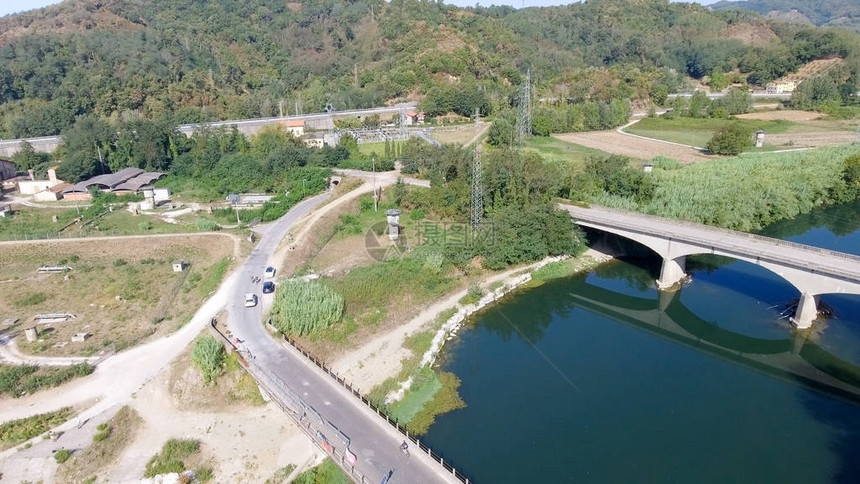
{"x": 816, "y": 93}
{"x": 501, "y": 133}
{"x": 28, "y": 158}
{"x": 731, "y": 139}
{"x": 736, "y": 101}
{"x": 86, "y": 146}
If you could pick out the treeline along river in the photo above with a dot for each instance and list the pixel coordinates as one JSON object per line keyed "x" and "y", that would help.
{"x": 600, "y": 378}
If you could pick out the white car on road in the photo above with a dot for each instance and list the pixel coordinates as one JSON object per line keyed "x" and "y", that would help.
{"x": 250, "y": 300}
{"x": 269, "y": 273}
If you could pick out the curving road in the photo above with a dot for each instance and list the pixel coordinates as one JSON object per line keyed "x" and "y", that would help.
{"x": 372, "y": 440}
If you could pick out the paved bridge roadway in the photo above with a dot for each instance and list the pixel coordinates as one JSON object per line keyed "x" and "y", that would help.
{"x": 812, "y": 270}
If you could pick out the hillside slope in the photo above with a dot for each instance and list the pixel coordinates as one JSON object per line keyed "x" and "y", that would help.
{"x": 188, "y": 61}
{"x": 830, "y": 13}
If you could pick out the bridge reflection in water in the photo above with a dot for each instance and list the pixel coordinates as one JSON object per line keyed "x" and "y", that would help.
{"x": 795, "y": 359}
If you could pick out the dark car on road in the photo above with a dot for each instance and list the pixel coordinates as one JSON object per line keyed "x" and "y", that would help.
{"x": 268, "y": 287}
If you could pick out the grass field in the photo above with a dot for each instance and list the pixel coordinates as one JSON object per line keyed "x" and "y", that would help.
{"x": 37, "y": 223}
{"x": 698, "y": 131}
{"x": 561, "y": 152}
{"x": 458, "y": 135}
{"x": 115, "y": 288}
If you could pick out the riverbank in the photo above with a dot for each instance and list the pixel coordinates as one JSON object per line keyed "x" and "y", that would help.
{"x": 382, "y": 358}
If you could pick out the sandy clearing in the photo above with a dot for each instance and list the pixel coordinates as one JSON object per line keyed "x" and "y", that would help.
{"x": 380, "y": 358}
{"x": 623, "y": 144}
{"x": 786, "y": 115}
{"x": 246, "y": 444}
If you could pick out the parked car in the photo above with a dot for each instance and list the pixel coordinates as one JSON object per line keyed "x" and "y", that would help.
{"x": 268, "y": 287}
{"x": 269, "y": 273}
{"x": 250, "y": 300}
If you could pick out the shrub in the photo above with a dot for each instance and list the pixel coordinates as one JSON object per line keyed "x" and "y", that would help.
{"x": 473, "y": 295}
{"x": 306, "y": 307}
{"x": 119, "y": 262}
{"x": 207, "y": 225}
{"x": 732, "y": 139}
{"x": 170, "y": 458}
{"x": 62, "y": 455}
{"x": 26, "y": 428}
{"x": 208, "y": 355}
{"x": 21, "y": 380}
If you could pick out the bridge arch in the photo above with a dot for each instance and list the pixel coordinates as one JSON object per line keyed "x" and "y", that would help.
{"x": 799, "y": 272}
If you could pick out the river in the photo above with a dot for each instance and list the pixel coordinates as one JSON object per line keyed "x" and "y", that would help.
{"x": 600, "y": 378}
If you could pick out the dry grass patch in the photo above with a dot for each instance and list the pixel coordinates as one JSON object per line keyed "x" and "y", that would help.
{"x": 233, "y": 389}
{"x": 458, "y": 135}
{"x": 122, "y": 291}
{"x": 98, "y": 459}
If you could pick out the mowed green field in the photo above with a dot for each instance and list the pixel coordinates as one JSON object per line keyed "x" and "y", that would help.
{"x": 698, "y": 131}
{"x": 556, "y": 151}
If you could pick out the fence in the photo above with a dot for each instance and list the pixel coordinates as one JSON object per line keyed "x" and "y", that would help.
{"x": 381, "y": 413}
{"x": 304, "y": 414}
{"x": 605, "y": 216}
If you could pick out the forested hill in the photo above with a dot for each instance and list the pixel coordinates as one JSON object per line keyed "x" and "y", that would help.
{"x": 194, "y": 60}
{"x": 832, "y": 13}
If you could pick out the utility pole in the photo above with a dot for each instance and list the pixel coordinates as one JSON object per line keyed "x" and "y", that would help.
{"x": 375, "y": 193}
{"x": 101, "y": 162}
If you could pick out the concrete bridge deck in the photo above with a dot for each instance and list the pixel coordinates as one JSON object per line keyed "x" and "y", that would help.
{"x": 812, "y": 270}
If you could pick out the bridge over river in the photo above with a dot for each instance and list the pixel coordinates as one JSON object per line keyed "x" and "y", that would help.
{"x": 796, "y": 359}
{"x": 812, "y": 270}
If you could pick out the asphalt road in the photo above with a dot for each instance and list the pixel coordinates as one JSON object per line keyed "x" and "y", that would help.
{"x": 371, "y": 439}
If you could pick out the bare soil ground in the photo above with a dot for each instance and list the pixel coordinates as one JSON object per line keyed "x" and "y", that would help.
{"x": 786, "y": 115}
{"x": 243, "y": 439}
{"x": 811, "y": 139}
{"x": 644, "y": 149}
{"x": 242, "y": 442}
{"x": 115, "y": 288}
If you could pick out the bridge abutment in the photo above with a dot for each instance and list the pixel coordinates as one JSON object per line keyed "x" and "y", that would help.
{"x": 807, "y": 311}
{"x": 671, "y": 272}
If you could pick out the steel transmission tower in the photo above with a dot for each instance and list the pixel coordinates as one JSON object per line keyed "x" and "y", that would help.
{"x": 477, "y": 190}
{"x": 524, "y": 111}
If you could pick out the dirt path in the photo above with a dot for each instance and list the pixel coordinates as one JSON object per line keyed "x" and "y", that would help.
{"x": 9, "y": 353}
{"x": 380, "y": 359}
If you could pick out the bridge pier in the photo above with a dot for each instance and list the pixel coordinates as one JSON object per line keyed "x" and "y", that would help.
{"x": 671, "y": 272}
{"x": 807, "y": 311}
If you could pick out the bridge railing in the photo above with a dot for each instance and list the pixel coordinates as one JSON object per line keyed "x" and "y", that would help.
{"x": 380, "y": 412}
{"x": 609, "y": 220}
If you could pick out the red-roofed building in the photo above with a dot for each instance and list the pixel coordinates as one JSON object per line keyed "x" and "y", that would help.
{"x": 414, "y": 117}
{"x": 296, "y": 127}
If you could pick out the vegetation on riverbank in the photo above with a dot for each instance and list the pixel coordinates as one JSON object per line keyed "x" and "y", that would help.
{"x": 749, "y": 192}
{"x": 326, "y": 473}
